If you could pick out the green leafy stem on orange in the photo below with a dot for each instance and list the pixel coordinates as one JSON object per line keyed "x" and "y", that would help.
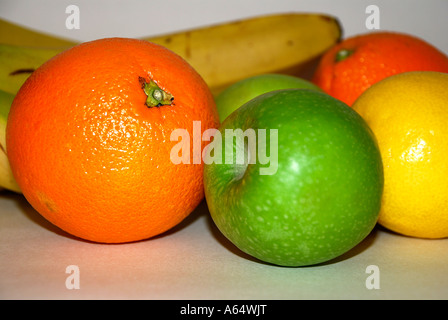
{"x": 343, "y": 54}
{"x": 156, "y": 97}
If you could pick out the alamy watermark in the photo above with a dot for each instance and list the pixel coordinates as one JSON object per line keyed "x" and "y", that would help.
{"x": 373, "y": 19}
{"x": 73, "y": 20}
{"x": 236, "y": 150}
{"x": 73, "y": 280}
{"x": 373, "y": 280}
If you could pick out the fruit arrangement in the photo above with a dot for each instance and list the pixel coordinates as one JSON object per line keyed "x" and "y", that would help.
{"x": 118, "y": 140}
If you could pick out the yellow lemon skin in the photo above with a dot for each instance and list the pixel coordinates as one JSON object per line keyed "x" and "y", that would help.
{"x": 408, "y": 114}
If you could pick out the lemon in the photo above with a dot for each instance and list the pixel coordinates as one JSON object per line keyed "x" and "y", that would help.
{"x": 408, "y": 114}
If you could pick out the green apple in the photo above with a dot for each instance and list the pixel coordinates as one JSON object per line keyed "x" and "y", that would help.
{"x": 242, "y": 91}
{"x": 320, "y": 194}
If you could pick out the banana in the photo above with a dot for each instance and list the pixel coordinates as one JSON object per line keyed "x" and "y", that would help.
{"x": 14, "y": 34}
{"x": 280, "y": 43}
{"x": 7, "y": 180}
{"x": 18, "y": 62}
{"x": 21, "y": 52}
{"x": 222, "y": 54}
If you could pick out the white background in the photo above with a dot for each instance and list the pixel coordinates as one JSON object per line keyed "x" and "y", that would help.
{"x": 138, "y": 18}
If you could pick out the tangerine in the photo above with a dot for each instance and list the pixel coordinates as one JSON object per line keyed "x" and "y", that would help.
{"x": 353, "y": 65}
{"x": 88, "y": 139}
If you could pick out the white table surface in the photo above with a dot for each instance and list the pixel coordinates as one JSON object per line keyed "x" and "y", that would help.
{"x": 194, "y": 261}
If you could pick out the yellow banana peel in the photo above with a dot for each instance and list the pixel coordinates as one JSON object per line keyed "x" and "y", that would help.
{"x": 7, "y": 180}
{"x": 222, "y": 54}
{"x": 279, "y": 43}
{"x": 15, "y": 34}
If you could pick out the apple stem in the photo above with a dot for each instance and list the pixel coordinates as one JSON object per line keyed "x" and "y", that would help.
{"x": 156, "y": 97}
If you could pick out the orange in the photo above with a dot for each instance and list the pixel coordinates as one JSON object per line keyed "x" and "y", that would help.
{"x": 92, "y": 157}
{"x": 408, "y": 113}
{"x": 353, "y": 65}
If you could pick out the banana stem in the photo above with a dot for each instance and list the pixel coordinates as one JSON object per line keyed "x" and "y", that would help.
{"x": 156, "y": 97}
